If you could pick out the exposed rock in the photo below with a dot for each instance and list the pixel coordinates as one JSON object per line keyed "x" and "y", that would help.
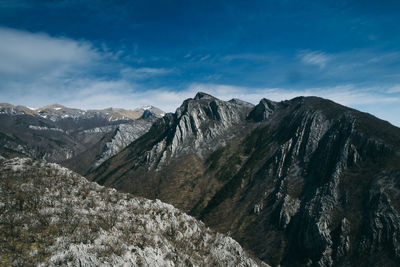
{"x": 51, "y": 216}
{"x": 263, "y": 110}
{"x": 292, "y": 180}
{"x": 124, "y": 135}
{"x": 199, "y": 126}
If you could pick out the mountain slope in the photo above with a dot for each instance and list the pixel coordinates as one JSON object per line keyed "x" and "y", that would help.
{"x": 77, "y": 138}
{"x": 299, "y": 182}
{"x": 176, "y": 144}
{"x": 51, "y": 216}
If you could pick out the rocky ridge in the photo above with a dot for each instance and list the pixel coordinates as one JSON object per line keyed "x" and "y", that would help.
{"x": 51, "y": 216}
{"x": 299, "y": 182}
{"x": 198, "y": 126}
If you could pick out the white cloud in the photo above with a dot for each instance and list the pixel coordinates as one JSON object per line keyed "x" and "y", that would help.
{"x": 144, "y": 73}
{"x": 25, "y": 53}
{"x": 37, "y": 69}
{"x": 394, "y": 89}
{"x": 317, "y": 58}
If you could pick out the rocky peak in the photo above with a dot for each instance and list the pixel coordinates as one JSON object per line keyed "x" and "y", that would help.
{"x": 199, "y": 125}
{"x": 213, "y": 108}
{"x": 147, "y": 113}
{"x": 15, "y": 110}
{"x": 263, "y": 110}
{"x": 202, "y": 95}
{"x": 53, "y": 106}
{"x": 240, "y": 102}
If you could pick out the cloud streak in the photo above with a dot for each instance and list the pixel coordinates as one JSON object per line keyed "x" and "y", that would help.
{"x": 316, "y": 58}
{"x": 394, "y": 89}
{"x": 144, "y": 73}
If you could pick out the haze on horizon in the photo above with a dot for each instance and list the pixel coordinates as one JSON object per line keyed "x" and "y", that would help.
{"x": 97, "y": 54}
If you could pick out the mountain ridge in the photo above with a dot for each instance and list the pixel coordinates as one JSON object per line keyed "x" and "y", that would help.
{"x": 58, "y": 112}
{"x": 77, "y": 138}
{"x": 281, "y": 176}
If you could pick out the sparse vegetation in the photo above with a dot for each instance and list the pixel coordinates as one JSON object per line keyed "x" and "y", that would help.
{"x": 52, "y": 216}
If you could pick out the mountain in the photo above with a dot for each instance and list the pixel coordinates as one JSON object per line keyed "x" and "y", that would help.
{"x": 81, "y": 139}
{"x": 51, "y": 216}
{"x": 303, "y": 182}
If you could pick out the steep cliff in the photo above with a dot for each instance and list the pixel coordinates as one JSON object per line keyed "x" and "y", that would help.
{"x": 299, "y": 182}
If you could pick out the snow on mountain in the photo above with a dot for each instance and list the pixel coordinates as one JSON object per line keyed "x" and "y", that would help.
{"x": 51, "y": 216}
{"x": 57, "y": 133}
{"x": 57, "y": 112}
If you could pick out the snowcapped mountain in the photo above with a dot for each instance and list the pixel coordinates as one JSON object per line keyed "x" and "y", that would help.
{"x": 51, "y": 216}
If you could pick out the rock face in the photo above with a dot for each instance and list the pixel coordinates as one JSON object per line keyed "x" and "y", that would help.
{"x": 171, "y": 153}
{"x": 82, "y": 139}
{"x": 198, "y": 126}
{"x": 300, "y": 182}
{"x": 51, "y": 216}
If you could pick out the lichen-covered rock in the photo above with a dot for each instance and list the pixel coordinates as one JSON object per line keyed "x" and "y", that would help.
{"x": 51, "y": 216}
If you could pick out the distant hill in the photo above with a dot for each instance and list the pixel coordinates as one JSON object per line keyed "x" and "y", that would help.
{"x": 79, "y": 139}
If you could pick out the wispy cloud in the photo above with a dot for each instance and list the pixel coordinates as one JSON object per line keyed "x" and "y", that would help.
{"x": 144, "y": 73}
{"x": 317, "y": 58}
{"x": 250, "y": 57}
{"x": 394, "y": 89}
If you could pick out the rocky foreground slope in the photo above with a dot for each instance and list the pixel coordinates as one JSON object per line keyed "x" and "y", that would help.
{"x": 299, "y": 182}
{"x": 50, "y": 216}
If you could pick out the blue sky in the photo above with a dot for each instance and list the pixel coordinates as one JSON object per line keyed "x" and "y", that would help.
{"x": 96, "y": 54}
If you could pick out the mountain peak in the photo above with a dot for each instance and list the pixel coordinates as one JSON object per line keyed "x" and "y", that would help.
{"x": 202, "y": 95}
{"x": 53, "y": 106}
{"x": 263, "y": 110}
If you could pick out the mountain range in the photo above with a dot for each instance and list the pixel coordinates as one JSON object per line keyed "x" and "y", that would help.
{"x": 80, "y": 139}
{"x": 301, "y": 182}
